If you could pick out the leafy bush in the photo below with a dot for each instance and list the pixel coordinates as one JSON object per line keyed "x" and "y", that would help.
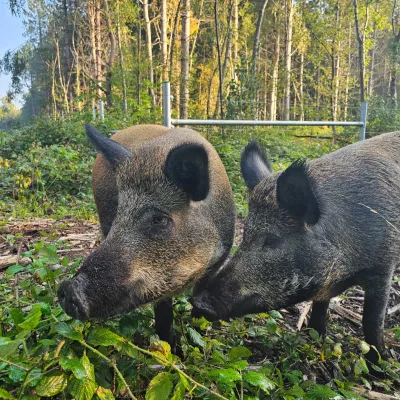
{"x": 44, "y": 178}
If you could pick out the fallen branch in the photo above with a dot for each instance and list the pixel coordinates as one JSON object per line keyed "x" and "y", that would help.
{"x": 346, "y": 313}
{"x": 394, "y": 309}
{"x": 303, "y": 315}
{"x": 6, "y": 261}
{"x": 370, "y": 394}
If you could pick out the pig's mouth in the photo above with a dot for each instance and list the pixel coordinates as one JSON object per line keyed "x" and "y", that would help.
{"x": 81, "y": 305}
{"x": 203, "y": 307}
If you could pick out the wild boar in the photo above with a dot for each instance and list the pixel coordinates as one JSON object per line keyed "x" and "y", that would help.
{"x": 313, "y": 231}
{"x": 167, "y": 213}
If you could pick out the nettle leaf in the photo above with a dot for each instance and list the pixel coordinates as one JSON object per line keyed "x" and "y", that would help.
{"x": 225, "y": 375}
{"x": 84, "y": 389}
{"x": 239, "y": 352}
{"x": 159, "y": 387}
{"x": 14, "y": 269}
{"x": 104, "y": 337}
{"x": 68, "y": 331}
{"x": 196, "y": 337}
{"x": 104, "y": 394}
{"x": 32, "y": 319}
{"x": 8, "y": 346}
{"x": 51, "y": 385}
{"x": 49, "y": 254}
{"x": 322, "y": 392}
{"x": 74, "y": 365}
{"x": 6, "y": 395}
{"x": 259, "y": 380}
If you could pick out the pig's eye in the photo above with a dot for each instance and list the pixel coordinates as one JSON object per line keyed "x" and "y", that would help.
{"x": 161, "y": 221}
{"x": 271, "y": 241}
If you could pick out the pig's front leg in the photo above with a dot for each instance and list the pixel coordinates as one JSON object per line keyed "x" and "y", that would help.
{"x": 164, "y": 316}
{"x": 318, "y": 316}
{"x": 375, "y": 302}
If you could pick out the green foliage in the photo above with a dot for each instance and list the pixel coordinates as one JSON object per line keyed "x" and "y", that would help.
{"x": 44, "y": 354}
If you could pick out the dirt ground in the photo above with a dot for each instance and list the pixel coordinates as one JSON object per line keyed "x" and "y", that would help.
{"x": 79, "y": 239}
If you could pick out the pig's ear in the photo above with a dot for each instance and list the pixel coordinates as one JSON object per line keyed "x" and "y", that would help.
{"x": 187, "y": 168}
{"x": 295, "y": 194}
{"x": 114, "y": 152}
{"x": 254, "y": 164}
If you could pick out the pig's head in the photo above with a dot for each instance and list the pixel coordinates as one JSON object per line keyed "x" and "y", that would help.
{"x": 275, "y": 265}
{"x": 162, "y": 238}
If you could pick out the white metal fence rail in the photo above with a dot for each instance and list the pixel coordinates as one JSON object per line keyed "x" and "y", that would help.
{"x": 168, "y": 121}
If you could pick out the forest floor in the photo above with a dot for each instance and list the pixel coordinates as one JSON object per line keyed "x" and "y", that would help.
{"x": 76, "y": 239}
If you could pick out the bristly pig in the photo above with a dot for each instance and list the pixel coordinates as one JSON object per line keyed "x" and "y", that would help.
{"x": 313, "y": 231}
{"x": 167, "y": 213}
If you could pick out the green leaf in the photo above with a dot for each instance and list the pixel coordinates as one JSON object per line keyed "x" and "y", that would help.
{"x": 259, "y": 380}
{"x": 68, "y": 331}
{"x": 314, "y": 334}
{"x": 179, "y": 391}
{"x": 6, "y": 395}
{"x": 239, "y": 352}
{"x": 74, "y": 365}
{"x": 49, "y": 254}
{"x": 104, "y": 337}
{"x": 360, "y": 367}
{"x": 196, "y": 337}
{"x": 104, "y": 394}
{"x": 32, "y": 319}
{"x": 225, "y": 375}
{"x": 51, "y": 385}
{"x": 14, "y": 269}
{"x": 16, "y": 315}
{"x": 84, "y": 389}
{"x": 276, "y": 314}
{"x": 364, "y": 346}
{"x": 159, "y": 387}
{"x": 321, "y": 392}
{"x": 8, "y": 347}
{"x": 271, "y": 326}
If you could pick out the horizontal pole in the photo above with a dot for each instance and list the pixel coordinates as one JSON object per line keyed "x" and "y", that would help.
{"x": 264, "y": 123}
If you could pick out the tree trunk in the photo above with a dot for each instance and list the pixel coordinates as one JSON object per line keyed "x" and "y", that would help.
{"x": 121, "y": 64}
{"x": 370, "y": 88}
{"x": 288, "y": 57}
{"x": 149, "y": 46}
{"x": 221, "y": 80}
{"x": 164, "y": 45}
{"x": 235, "y": 55}
{"x": 360, "y": 40}
{"x": 275, "y": 70}
{"x": 99, "y": 67}
{"x": 173, "y": 37}
{"x": 185, "y": 52}
{"x": 301, "y": 88}
{"x": 111, "y": 57}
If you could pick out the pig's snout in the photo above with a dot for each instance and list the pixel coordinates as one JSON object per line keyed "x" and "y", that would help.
{"x": 72, "y": 299}
{"x": 202, "y": 307}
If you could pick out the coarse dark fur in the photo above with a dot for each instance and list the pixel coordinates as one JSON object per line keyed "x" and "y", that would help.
{"x": 313, "y": 231}
{"x": 167, "y": 213}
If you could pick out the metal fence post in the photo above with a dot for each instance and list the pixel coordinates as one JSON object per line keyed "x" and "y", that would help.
{"x": 166, "y": 89}
{"x": 101, "y": 110}
{"x": 363, "y": 128}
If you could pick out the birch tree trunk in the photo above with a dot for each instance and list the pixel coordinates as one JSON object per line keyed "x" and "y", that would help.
{"x": 235, "y": 54}
{"x": 111, "y": 56}
{"x": 121, "y": 64}
{"x": 164, "y": 45}
{"x": 301, "y": 88}
{"x": 149, "y": 46}
{"x": 185, "y": 51}
{"x": 275, "y": 70}
{"x": 288, "y": 57}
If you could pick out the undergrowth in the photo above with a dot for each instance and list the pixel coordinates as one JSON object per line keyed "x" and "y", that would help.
{"x": 43, "y": 353}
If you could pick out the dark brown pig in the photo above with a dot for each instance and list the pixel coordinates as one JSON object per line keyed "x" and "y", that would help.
{"x": 313, "y": 231}
{"x": 167, "y": 213}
